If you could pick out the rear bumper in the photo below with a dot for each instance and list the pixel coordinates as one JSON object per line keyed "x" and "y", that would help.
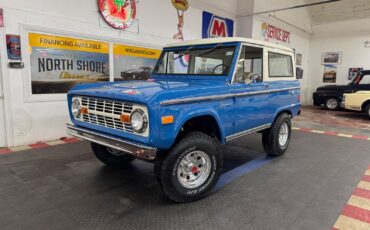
{"x": 317, "y": 101}
{"x": 136, "y": 149}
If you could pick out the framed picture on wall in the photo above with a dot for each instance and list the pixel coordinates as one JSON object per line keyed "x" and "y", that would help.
{"x": 331, "y": 58}
{"x": 299, "y": 59}
{"x": 299, "y": 73}
{"x": 330, "y": 74}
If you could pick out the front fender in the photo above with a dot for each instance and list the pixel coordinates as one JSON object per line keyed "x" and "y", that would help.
{"x": 169, "y": 133}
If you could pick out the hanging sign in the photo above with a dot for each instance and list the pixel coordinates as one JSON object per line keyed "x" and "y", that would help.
{"x": 181, "y": 5}
{"x": 215, "y": 26}
{"x": 270, "y": 32}
{"x": 119, "y": 14}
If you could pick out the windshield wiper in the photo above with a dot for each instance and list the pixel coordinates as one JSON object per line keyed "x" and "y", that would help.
{"x": 187, "y": 51}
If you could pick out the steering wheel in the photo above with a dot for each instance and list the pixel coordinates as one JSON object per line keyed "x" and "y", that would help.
{"x": 217, "y": 66}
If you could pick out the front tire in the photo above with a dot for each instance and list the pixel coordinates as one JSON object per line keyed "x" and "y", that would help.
{"x": 332, "y": 103}
{"x": 191, "y": 168}
{"x": 276, "y": 139}
{"x": 111, "y": 157}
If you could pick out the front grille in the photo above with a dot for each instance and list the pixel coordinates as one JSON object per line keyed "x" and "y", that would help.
{"x": 106, "y": 113}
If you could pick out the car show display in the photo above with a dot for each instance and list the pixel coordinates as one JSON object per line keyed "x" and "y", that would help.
{"x": 174, "y": 119}
{"x": 358, "y": 101}
{"x": 330, "y": 96}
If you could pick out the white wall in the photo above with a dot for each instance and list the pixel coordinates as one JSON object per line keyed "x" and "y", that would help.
{"x": 30, "y": 122}
{"x": 299, "y": 40}
{"x": 346, "y": 36}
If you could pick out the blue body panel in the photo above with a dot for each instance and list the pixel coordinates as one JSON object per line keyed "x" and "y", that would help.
{"x": 233, "y": 113}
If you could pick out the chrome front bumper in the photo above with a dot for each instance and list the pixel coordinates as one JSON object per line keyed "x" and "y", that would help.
{"x": 132, "y": 148}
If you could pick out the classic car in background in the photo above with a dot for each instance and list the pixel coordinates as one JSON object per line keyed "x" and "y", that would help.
{"x": 142, "y": 73}
{"x": 359, "y": 101}
{"x": 330, "y": 96}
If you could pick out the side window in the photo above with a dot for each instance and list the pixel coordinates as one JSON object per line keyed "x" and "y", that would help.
{"x": 250, "y": 64}
{"x": 280, "y": 65}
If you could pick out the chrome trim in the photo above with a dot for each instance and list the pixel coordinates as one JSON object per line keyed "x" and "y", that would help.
{"x": 132, "y": 148}
{"x": 224, "y": 96}
{"x": 246, "y": 132}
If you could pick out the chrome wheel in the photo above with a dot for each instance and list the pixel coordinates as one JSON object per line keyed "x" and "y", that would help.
{"x": 332, "y": 103}
{"x": 283, "y": 134}
{"x": 194, "y": 169}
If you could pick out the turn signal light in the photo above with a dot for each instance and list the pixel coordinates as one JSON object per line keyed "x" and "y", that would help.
{"x": 167, "y": 120}
{"x": 125, "y": 118}
{"x": 84, "y": 110}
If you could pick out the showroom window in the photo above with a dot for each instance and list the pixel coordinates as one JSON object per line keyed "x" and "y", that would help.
{"x": 280, "y": 65}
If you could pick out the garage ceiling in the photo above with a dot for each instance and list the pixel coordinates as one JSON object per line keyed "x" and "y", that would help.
{"x": 339, "y": 11}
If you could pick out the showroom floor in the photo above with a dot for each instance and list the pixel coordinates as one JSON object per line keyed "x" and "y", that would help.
{"x": 65, "y": 187}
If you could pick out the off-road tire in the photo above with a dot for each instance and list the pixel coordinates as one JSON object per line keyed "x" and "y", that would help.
{"x": 270, "y": 137}
{"x": 328, "y": 107}
{"x": 167, "y": 167}
{"x": 101, "y": 152}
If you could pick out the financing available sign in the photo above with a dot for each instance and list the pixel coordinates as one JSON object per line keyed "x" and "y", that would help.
{"x": 215, "y": 26}
{"x": 58, "y": 63}
{"x": 274, "y": 33}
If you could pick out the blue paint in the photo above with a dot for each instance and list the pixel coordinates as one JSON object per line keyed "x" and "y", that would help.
{"x": 235, "y": 173}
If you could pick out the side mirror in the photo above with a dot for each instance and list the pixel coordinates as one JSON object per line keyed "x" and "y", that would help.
{"x": 253, "y": 78}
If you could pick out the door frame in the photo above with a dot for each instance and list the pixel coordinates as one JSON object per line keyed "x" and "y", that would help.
{"x": 8, "y": 132}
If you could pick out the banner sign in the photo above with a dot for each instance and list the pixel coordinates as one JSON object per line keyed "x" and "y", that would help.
{"x": 58, "y": 63}
{"x": 13, "y": 46}
{"x": 119, "y": 14}
{"x": 133, "y": 62}
{"x": 270, "y": 32}
{"x": 215, "y": 26}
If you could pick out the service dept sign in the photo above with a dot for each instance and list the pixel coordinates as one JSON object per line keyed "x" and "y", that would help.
{"x": 274, "y": 33}
{"x": 119, "y": 14}
{"x": 215, "y": 26}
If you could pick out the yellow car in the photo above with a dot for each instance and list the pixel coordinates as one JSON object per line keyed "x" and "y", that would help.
{"x": 359, "y": 101}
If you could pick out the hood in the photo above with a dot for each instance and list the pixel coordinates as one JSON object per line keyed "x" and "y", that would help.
{"x": 144, "y": 91}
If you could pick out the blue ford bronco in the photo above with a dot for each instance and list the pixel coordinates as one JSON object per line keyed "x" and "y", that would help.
{"x": 201, "y": 95}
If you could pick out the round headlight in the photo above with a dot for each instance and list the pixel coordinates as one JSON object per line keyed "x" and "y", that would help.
{"x": 139, "y": 121}
{"x": 75, "y": 108}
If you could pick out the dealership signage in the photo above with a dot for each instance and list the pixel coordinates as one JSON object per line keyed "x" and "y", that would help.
{"x": 215, "y": 26}
{"x": 119, "y": 14}
{"x": 274, "y": 33}
{"x": 58, "y": 63}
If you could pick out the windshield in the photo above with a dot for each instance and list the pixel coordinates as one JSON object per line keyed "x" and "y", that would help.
{"x": 215, "y": 61}
{"x": 361, "y": 80}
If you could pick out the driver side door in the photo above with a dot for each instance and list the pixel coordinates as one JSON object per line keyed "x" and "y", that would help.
{"x": 251, "y": 103}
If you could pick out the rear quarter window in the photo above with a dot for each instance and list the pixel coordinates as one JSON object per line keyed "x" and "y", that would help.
{"x": 280, "y": 65}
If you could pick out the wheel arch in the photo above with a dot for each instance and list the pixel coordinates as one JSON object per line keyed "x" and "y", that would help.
{"x": 366, "y": 103}
{"x": 200, "y": 121}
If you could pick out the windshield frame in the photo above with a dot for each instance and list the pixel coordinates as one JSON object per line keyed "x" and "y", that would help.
{"x": 204, "y": 47}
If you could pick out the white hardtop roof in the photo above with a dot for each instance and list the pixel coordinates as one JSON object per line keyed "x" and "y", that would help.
{"x": 228, "y": 40}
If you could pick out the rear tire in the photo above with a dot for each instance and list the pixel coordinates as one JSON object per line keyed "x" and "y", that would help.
{"x": 332, "y": 103}
{"x": 111, "y": 157}
{"x": 191, "y": 168}
{"x": 367, "y": 111}
{"x": 276, "y": 139}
